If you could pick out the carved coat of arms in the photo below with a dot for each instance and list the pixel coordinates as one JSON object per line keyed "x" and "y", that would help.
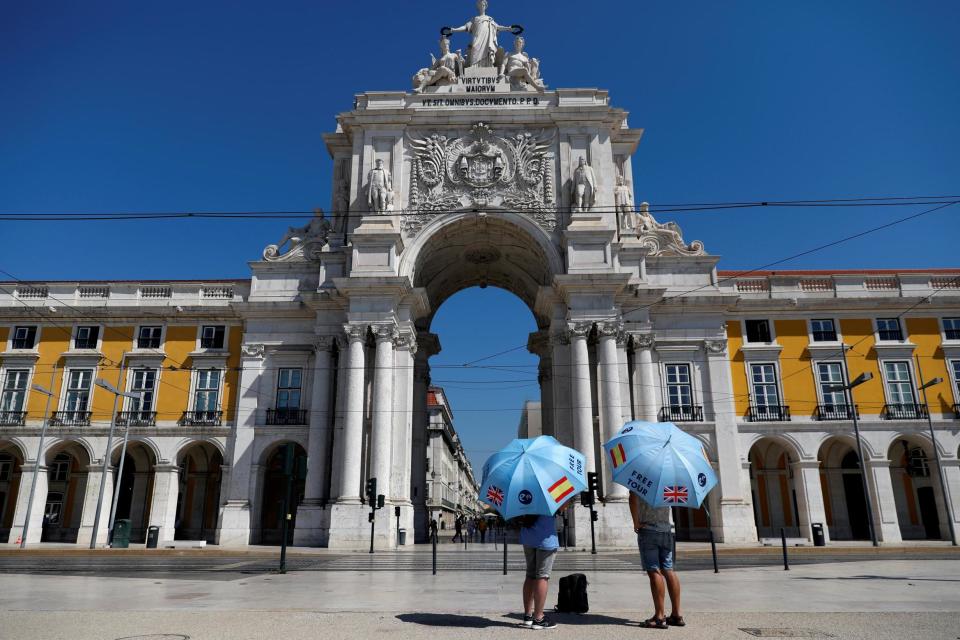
{"x": 481, "y": 169}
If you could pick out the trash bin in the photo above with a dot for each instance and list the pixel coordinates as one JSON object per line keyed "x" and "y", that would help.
{"x": 121, "y": 534}
{"x": 403, "y": 536}
{"x": 153, "y": 537}
{"x": 818, "y": 538}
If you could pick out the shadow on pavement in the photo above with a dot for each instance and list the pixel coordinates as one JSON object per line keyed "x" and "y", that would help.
{"x": 452, "y": 620}
{"x": 574, "y": 619}
{"x": 898, "y": 578}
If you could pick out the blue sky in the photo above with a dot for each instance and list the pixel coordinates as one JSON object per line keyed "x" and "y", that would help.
{"x": 220, "y": 106}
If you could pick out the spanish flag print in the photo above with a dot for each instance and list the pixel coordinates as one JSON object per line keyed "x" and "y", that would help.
{"x": 619, "y": 455}
{"x": 560, "y": 489}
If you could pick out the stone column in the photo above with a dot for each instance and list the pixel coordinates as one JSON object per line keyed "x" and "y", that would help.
{"x": 582, "y": 400}
{"x": 951, "y": 473}
{"x": 235, "y": 519}
{"x": 405, "y": 350}
{"x": 427, "y": 345}
{"x": 310, "y": 530}
{"x": 736, "y": 514}
{"x": 810, "y": 507}
{"x": 382, "y": 428}
{"x": 27, "y": 471}
{"x": 885, "y": 519}
{"x": 538, "y": 343}
{"x": 608, "y": 372}
{"x": 90, "y": 496}
{"x": 561, "y": 394}
{"x": 163, "y": 504}
{"x": 353, "y": 418}
{"x": 646, "y": 377}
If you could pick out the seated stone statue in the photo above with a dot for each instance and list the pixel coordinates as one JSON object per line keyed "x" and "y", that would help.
{"x": 314, "y": 232}
{"x": 443, "y": 71}
{"x": 522, "y": 69}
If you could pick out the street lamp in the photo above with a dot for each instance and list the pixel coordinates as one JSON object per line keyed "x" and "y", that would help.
{"x": 36, "y": 467}
{"x": 100, "y": 382}
{"x": 848, "y": 391}
{"x": 936, "y": 452}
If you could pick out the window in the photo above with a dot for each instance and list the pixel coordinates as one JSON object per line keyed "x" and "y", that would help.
{"x": 208, "y": 390}
{"x": 758, "y": 330}
{"x": 6, "y": 467}
{"x": 60, "y": 469}
{"x": 889, "y": 329}
{"x": 211, "y": 337}
{"x": 149, "y": 337}
{"x": 955, "y": 365}
{"x": 288, "y": 389}
{"x": 86, "y": 338}
{"x": 823, "y": 331}
{"x": 78, "y": 390}
{"x": 53, "y": 508}
{"x": 679, "y": 391}
{"x": 899, "y": 384}
{"x": 24, "y": 338}
{"x": 951, "y": 328}
{"x": 144, "y": 381}
{"x": 764, "y": 377}
{"x": 14, "y": 390}
{"x": 831, "y": 374}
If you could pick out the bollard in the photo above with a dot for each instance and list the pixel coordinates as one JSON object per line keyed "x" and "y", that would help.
{"x": 504, "y": 551}
{"x": 783, "y": 540}
{"x": 713, "y": 551}
{"x": 433, "y": 540}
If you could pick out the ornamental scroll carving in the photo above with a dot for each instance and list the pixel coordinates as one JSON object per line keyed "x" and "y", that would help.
{"x": 302, "y": 243}
{"x": 716, "y": 347}
{"x": 479, "y": 170}
{"x": 664, "y": 239}
{"x": 253, "y": 350}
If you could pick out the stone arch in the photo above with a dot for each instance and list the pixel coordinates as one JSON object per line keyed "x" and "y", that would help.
{"x": 68, "y": 461}
{"x": 12, "y": 458}
{"x": 921, "y": 508}
{"x": 56, "y": 445}
{"x": 200, "y": 463}
{"x": 272, "y": 486}
{"x": 773, "y": 486}
{"x": 842, "y": 480}
{"x": 136, "y": 483}
{"x": 187, "y": 443}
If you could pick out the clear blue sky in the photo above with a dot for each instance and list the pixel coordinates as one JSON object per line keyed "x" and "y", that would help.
{"x": 220, "y": 106}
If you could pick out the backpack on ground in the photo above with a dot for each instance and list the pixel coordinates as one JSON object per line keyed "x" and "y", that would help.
{"x": 573, "y": 594}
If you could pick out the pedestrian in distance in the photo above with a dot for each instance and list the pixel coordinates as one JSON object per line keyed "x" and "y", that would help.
{"x": 433, "y": 530}
{"x": 482, "y": 528}
{"x": 655, "y": 539}
{"x": 458, "y": 529}
{"x": 471, "y": 529}
{"x": 538, "y": 535}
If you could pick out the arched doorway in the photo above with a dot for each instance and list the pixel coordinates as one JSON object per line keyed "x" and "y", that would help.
{"x": 274, "y": 491}
{"x": 136, "y": 487}
{"x": 198, "y": 498}
{"x": 843, "y": 494}
{"x": 66, "y": 488}
{"x": 916, "y": 491}
{"x": 773, "y": 489}
{"x": 11, "y": 460}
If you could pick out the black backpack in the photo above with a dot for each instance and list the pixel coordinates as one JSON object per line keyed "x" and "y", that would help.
{"x": 573, "y": 594}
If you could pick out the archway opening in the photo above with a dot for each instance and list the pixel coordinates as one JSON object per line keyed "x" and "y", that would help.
{"x": 136, "y": 487}
{"x": 843, "y": 495}
{"x": 66, "y": 489}
{"x": 773, "y": 489}
{"x": 198, "y": 495}
{"x": 11, "y": 461}
{"x": 921, "y": 510}
{"x": 275, "y": 488}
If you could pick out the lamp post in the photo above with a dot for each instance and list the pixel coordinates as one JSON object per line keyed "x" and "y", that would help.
{"x": 848, "y": 392}
{"x": 106, "y": 456}
{"x": 36, "y": 468}
{"x": 936, "y": 452}
{"x": 123, "y": 450}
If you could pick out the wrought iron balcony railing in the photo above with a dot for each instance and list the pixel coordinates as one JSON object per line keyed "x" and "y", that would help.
{"x": 137, "y": 418}
{"x": 904, "y": 412}
{"x": 201, "y": 419}
{"x": 836, "y": 412}
{"x": 769, "y": 413}
{"x": 12, "y": 418}
{"x": 280, "y": 417}
{"x": 70, "y": 418}
{"x": 682, "y": 413}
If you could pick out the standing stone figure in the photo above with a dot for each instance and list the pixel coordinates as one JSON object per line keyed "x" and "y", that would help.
{"x": 623, "y": 201}
{"x": 442, "y": 71}
{"x": 341, "y": 205}
{"x": 484, "y": 45}
{"x": 521, "y": 68}
{"x": 584, "y": 186}
{"x": 379, "y": 187}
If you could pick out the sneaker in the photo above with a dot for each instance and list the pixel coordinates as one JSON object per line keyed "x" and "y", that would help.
{"x": 527, "y": 621}
{"x": 543, "y": 623}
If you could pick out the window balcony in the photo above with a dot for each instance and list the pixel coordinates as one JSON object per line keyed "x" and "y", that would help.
{"x": 12, "y": 418}
{"x": 769, "y": 413}
{"x": 286, "y": 417}
{"x": 904, "y": 412}
{"x": 681, "y": 413}
{"x": 836, "y": 412}
{"x": 201, "y": 419}
{"x": 70, "y": 418}
{"x": 137, "y": 419}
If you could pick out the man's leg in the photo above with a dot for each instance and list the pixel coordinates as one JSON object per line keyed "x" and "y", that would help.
{"x": 659, "y": 591}
{"x": 528, "y": 596}
{"x": 673, "y": 588}
{"x": 539, "y": 597}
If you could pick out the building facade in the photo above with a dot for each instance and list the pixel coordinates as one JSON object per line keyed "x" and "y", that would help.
{"x": 481, "y": 175}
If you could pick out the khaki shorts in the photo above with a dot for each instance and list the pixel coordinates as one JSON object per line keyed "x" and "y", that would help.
{"x": 539, "y": 562}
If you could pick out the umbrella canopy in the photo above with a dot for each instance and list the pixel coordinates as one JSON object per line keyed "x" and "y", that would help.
{"x": 660, "y": 463}
{"x": 532, "y": 477}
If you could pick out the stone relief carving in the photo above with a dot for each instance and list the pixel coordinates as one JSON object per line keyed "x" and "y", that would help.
{"x": 253, "y": 350}
{"x": 478, "y": 170}
{"x": 584, "y": 186}
{"x": 483, "y": 29}
{"x": 380, "y": 188}
{"x": 303, "y": 243}
{"x": 442, "y": 71}
{"x": 717, "y": 347}
{"x": 664, "y": 239}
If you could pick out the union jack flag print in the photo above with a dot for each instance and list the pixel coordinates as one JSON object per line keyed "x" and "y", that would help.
{"x": 495, "y": 495}
{"x": 675, "y": 495}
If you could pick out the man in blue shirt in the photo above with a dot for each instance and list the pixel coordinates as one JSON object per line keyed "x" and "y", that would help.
{"x": 538, "y": 536}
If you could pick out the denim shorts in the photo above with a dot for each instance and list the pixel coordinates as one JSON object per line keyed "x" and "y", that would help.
{"x": 656, "y": 550}
{"x": 539, "y": 562}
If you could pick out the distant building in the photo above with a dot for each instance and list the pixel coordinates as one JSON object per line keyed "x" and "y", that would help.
{"x": 531, "y": 420}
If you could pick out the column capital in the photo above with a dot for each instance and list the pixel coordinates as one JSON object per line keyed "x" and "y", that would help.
{"x": 716, "y": 347}
{"x": 385, "y": 332}
{"x": 168, "y": 467}
{"x": 610, "y": 329}
{"x": 355, "y": 332}
{"x": 538, "y": 342}
{"x": 324, "y": 343}
{"x": 643, "y": 340}
{"x": 407, "y": 341}
{"x": 560, "y": 339}
{"x": 579, "y": 329}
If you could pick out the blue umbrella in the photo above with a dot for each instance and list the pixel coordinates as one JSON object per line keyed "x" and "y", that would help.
{"x": 660, "y": 463}
{"x": 532, "y": 477}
